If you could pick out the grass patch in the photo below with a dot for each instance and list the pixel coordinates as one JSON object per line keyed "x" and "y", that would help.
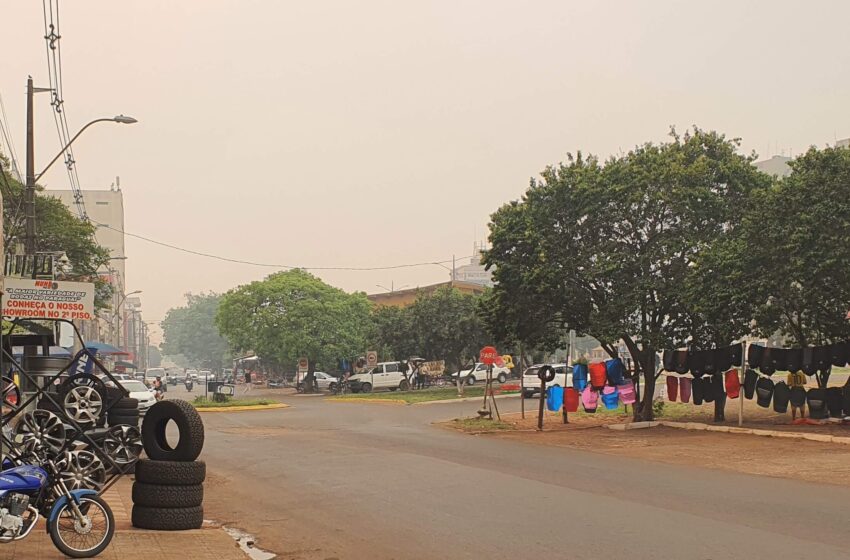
{"x": 418, "y": 396}
{"x": 201, "y": 402}
{"x": 480, "y": 425}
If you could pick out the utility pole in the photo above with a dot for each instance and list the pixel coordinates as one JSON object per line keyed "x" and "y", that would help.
{"x": 29, "y": 193}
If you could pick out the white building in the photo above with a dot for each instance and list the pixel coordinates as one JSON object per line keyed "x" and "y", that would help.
{"x": 474, "y": 272}
{"x": 105, "y": 208}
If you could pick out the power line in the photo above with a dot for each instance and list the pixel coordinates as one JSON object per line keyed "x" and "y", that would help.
{"x": 271, "y": 265}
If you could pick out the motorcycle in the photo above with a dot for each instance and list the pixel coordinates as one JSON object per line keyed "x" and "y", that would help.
{"x": 189, "y": 385}
{"x": 80, "y": 523}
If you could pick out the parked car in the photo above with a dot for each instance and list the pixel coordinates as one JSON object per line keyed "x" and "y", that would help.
{"x": 276, "y": 384}
{"x": 385, "y": 375}
{"x": 323, "y": 380}
{"x": 531, "y": 383}
{"x": 140, "y": 392}
{"x": 479, "y": 373}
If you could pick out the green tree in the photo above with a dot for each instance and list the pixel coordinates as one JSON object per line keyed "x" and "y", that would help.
{"x": 58, "y": 230}
{"x": 191, "y": 331}
{"x": 293, "y": 314}
{"x": 611, "y": 246}
{"x": 392, "y": 332}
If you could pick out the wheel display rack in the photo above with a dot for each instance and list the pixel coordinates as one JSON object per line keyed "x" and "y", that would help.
{"x": 34, "y": 388}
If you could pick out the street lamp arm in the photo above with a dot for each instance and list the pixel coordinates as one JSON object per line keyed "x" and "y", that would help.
{"x": 120, "y": 119}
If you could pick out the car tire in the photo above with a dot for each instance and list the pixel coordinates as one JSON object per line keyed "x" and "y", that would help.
{"x": 170, "y": 473}
{"x": 332, "y": 387}
{"x": 502, "y": 378}
{"x": 366, "y": 388}
{"x": 526, "y": 394}
{"x": 470, "y": 380}
{"x": 123, "y": 421}
{"x": 168, "y": 519}
{"x": 164, "y": 496}
{"x": 125, "y": 403}
{"x": 404, "y": 385}
{"x": 189, "y": 424}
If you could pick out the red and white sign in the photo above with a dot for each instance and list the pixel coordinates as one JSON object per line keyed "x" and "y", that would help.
{"x": 48, "y": 299}
{"x": 303, "y": 365}
{"x": 489, "y": 355}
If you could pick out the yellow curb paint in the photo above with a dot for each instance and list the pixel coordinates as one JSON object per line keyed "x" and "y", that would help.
{"x": 243, "y": 408}
{"x": 376, "y": 401}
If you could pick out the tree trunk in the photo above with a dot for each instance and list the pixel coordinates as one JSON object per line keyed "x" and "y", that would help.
{"x": 309, "y": 380}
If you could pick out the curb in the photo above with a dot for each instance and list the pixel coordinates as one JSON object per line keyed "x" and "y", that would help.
{"x": 465, "y": 399}
{"x": 243, "y": 408}
{"x": 698, "y": 426}
{"x": 374, "y": 401}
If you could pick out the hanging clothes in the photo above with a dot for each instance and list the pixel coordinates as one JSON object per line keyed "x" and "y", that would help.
{"x": 847, "y": 398}
{"x": 598, "y": 375}
{"x": 696, "y": 363}
{"x": 589, "y": 399}
{"x": 808, "y": 365}
{"x": 709, "y": 391}
{"x": 792, "y": 359}
{"x": 737, "y": 355}
{"x": 685, "y": 389}
{"x": 754, "y": 354}
{"x": 614, "y": 371}
{"x": 697, "y": 390}
{"x": 723, "y": 357}
{"x": 764, "y": 392}
{"x": 835, "y": 402}
{"x": 767, "y": 366}
{"x": 781, "y": 396}
{"x": 668, "y": 360}
{"x": 733, "y": 384}
{"x": 682, "y": 360}
{"x": 554, "y": 398}
{"x": 610, "y": 397}
{"x": 627, "y": 392}
{"x": 672, "y": 388}
{"x": 838, "y": 354}
{"x": 571, "y": 398}
{"x": 750, "y": 379}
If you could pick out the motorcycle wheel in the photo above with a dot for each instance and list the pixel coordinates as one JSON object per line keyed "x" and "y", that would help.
{"x": 74, "y": 539}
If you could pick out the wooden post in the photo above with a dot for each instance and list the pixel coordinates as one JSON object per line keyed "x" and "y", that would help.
{"x": 493, "y": 396}
{"x": 521, "y": 381}
{"x": 542, "y": 404}
{"x": 487, "y": 389}
{"x": 566, "y": 369}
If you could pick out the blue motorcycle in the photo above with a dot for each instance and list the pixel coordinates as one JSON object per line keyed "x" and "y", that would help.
{"x": 80, "y": 522}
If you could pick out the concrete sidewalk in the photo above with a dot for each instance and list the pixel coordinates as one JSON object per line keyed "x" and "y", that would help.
{"x": 134, "y": 544}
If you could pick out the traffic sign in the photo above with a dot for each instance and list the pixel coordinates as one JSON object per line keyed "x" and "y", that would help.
{"x": 488, "y": 355}
{"x": 303, "y": 365}
{"x": 371, "y": 358}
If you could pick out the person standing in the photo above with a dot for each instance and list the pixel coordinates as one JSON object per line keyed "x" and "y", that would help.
{"x": 797, "y": 379}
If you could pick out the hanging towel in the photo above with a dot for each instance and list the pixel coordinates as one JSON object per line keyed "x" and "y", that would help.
{"x": 580, "y": 376}
{"x": 627, "y": 392}
{"x": 610, "y": 397}
{"x": 697, "y": 390}
{"x": 764, "y": 392}
{"x": 793, "y": 359}
{"x": 750, "y": 379}
{"x": 685, "y": 389}
{"x": 672, "y": 388}
{"x": 767, "y": 366}
{"x": 696, "y": 363}
{"x": 614, "y": 370}
{"x": 598, "y": 375}
{"x": 781, "y": 396}
{"x": 754, "y": 354}
{"x": 589, "y": 399}
{"x": 737, "y": 355}
{"x": 733, "y": 384}
{"x": 723, "y": 357}
{"x": 571, "y": 398}
{"x": 554, "y": 398}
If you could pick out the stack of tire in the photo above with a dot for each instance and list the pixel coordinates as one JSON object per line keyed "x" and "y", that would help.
{"x": 124, "y": 411}
{"x": 168, "y": 492}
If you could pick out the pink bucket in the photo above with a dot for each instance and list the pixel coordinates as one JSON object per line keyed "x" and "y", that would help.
{"x": 627, "y": 392}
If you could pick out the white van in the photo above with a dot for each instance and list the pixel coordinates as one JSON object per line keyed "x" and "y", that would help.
{"x": 152, "y": 373}
{"x": 385, "y": 375}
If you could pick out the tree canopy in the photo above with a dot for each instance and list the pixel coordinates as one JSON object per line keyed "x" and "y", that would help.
{"x": 611, "y": 246}
{"x": 191, "y": 331}
{"x": 293, "y": 314}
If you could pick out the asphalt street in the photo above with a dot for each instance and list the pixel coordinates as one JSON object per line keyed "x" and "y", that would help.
{"x": 341, "y": 480}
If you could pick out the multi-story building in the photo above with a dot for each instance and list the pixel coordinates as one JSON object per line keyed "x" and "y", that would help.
{"x": 105, "y": 208}
{"x": 474, "y": 272}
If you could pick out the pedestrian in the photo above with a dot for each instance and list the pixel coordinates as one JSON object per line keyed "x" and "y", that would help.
{"x": 247, "y": 380}
{"x": 797, "y": 379}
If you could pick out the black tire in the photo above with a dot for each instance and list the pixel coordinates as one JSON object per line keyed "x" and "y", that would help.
{"x": 164, "y": 496}
{"x": 170, "y": 473}
{"x": 404, "y": 385}
{"x": 332, "y": 387}
{"x": 125, "y": 404}
{"x": 470, "y": 380}
{"x": 53, "y": 529}
{"x": 189, "y": 424}
{"x": 120, "y": 419}
{"x": 365, "y": 387}
{"x": 168, "y": 519}
{"x": 502, "y": 378}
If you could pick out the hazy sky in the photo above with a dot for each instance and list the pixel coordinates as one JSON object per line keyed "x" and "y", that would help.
{"x": 379, "y": 133}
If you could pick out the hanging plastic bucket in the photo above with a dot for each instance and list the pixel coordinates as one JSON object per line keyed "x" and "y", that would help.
{"x": 733, "y": 384}
{"x": 610, "y": 397}
{"x": 554, "y": 398}
{"x": 580, "y": 376}
{"x": 598, "y": 375}
{"x": 589, "y": 399}
{"x": 627, "y": 392}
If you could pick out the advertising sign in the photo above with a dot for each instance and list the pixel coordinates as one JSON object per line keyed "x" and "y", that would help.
{"x": 48, "y": 299}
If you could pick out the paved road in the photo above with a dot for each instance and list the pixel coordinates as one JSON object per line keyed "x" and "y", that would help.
{"x": 339, "y": 480}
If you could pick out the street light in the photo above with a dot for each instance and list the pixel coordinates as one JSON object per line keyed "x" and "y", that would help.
{"x": 393, "y": 288}
{"x": 123, "y": 119}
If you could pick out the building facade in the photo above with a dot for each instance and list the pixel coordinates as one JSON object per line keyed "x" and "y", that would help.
{"x": 474, "y": 272}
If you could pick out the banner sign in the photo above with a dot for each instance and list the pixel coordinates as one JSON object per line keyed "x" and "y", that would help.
{"x": 48, "y": 299}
